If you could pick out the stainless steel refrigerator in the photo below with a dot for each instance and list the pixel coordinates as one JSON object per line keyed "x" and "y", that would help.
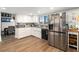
{"x": 57, "y": 37}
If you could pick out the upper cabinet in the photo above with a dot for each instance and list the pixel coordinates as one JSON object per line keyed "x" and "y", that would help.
{"x": 5, "y": 14}
{"x": 35, "y": 19}
{"x": 27, "y": 19}
{"x": 22, "y": 18}
{"x": 7, "y": 17}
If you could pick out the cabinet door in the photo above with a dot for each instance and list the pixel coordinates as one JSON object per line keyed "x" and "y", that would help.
{"x": 51, "y": 38}
{"x": 63, "y": 42}
{"x": 38, "y": 34}
{"x": 28, "y": 31}
{"x": 57, "y": 40}
{"x": 35, "y": 19}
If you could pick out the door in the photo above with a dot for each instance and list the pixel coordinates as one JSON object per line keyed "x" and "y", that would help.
{"x": 51, "y": 39}
{"x": 57, "y": 40}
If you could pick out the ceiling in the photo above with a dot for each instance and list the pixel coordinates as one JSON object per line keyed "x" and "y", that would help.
{"x": 33, "y": 10}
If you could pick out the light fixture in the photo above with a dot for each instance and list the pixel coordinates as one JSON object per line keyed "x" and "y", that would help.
{"x": 51, "y": 8}
{"x": 3, "y": 8}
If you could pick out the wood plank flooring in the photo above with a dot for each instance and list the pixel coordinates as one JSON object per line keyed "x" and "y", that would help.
{"x": 28, "y": 44}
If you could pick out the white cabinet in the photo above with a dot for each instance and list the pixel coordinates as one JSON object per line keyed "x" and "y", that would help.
{"x": 27, "y": 19}
{"x": 35, "y": 19}
{"x": 36, "y": 32}
{"x": 20, "y": 33}
{"x": 28, "y": 31}
{"x": 23, "y": 32}
{"x": 23, "y": 19}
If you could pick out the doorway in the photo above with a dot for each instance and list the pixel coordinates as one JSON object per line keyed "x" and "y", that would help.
{"x": 7, "y": 26}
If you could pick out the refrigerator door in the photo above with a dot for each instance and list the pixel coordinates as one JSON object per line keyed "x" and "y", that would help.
{"x": 63, "y": 22}
{"x": 51, "y": 39}
{"x": 57, "y": 40}
{"x": 63, "y": 41}
{"x": 56, "y": 22}
{"x": 52, "y": 21}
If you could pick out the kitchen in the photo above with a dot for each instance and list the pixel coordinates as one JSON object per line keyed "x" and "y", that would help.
{"x": 54, "y": 27}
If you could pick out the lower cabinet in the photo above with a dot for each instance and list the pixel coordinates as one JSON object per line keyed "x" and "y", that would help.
{"x": 36, "y": 32}
{"x": 28, "y": 32}
{"x": 20, "y": 33}
{"x": 23, "y": 32}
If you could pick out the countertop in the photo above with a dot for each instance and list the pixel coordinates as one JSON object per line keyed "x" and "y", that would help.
{"x": 70, "y": 30}
{"x": 73, "y": 30}
{"x": 29, "y": 27}
{"x": 56, "y": 31}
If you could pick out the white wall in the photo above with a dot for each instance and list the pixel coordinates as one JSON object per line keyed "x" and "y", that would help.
{"x": 71, "y": 17}
{"x": 6, "y": 24}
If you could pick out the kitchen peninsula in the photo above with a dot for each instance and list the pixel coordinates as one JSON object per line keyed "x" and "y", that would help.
{"x": 27, "y": 30}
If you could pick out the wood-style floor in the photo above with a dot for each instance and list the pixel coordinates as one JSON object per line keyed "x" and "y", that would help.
{"x": 28, "y": 44}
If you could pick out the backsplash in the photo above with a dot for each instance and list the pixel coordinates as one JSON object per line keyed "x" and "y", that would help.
{"x": 22, "y": 25}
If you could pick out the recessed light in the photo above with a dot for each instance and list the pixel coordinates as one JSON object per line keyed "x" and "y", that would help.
{"x": 3, "y": 8}
{"x": 51, "y": 8}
